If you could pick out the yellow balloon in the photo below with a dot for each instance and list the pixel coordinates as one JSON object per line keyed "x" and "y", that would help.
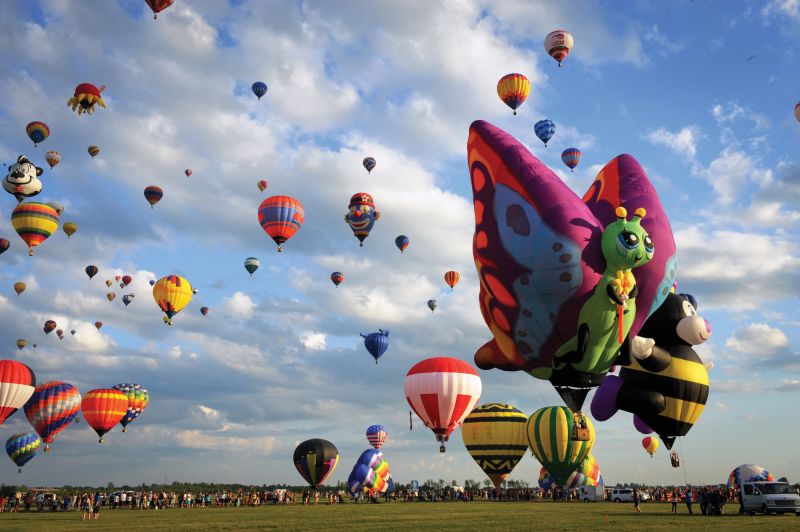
{"x": 19, "y": 287}
{"x": 172, "y": 293}
{"x": 551, "y": 437}
{"x": 70, "y": 228}
{"x": 494, "y": 435}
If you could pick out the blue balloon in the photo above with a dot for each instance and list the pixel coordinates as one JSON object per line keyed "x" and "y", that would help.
{"x": 401, "y": 242}
{"x": 22, "y": 447}
{"x": 259, "y": 89}
{"x": 376, "y": 343}
{"x": 544, "y": 129}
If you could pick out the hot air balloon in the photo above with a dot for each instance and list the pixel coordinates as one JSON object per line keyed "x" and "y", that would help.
{"x": 22, "y": 447}
{"x": 49, "y": 326}
{"x": 172, "y": 293}
{"x": 103, "y": 408}
{"x": 797, "y": 111}
{"x": 85, "y": 97}
{"x": 442, "y": 391}
{"x": 377, "y": 435}
{"x": 401, "y": 242}
{"x": 109, "y": 282}
{"x": 748, "y": 473}
{"x": 315, "y": 460}
{"x": 513, "y": 89}
{"x": 650, "y": 444}
{"x": 361, "y": 215}
{"x": 545, "y": 479}
{"x": 558, "y": 44}
{"x": 138, "y": 399}
{"x": 188, "y": 172}
{"x": 72, "y": 332}
{"x": 152, "y": 282}
{"x": 98, "y": 324}
{"x": 280, "y": 217}
{"x": 451, "y": 278}
{"x": 554, "y": 437}
{"x": 571, "y": 157}
{"x": 117, "y": 278}
{"x": 544, "y": 129}
{"x": 432, "y": 304}
{"x": 587, "y": 474}
{"x": 70, "y": 228}
{"x": 57, "y": 206}
{"x": 259, "y": 89}
{"x": 494, "y": 435}
{"x": 153, "y": 195}
{"x": 4, "y": 245}
{"x": 262, "y": 185}
{"x": 111, "y": 296}
{"x": 37, "y": 132}
{"x": 376, "y": 343}
{"x": 128, "y": 298}
{"x": 337, "y": 278}
{"x": 34, "y": 223}
{"x": 17, "y": 383}
{"x": 91, "y": 270}
{"x": 369, "y": 163}
{"x": 19, "y": 287}
{"x": 93, "y": 150}
{"x": 22, "y": 179}
{"x": 203, "y": 310}
{"x": 21, "y": 343}
{"x": 51, "y": 409}
{"x": 60, "y": 334}
{"x": 370, "y": 474}
{"x": 52, "y": 157}
{"x": 251, "y": 264}
{"x": 157, "y": 6}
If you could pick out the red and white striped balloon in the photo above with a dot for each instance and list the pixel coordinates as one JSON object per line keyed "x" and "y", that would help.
{"x": 442, "y": 391}
{"x": 17, "y": 383}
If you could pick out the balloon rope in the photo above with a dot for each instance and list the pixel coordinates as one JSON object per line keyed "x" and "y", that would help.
{"x": 683, "y": 461}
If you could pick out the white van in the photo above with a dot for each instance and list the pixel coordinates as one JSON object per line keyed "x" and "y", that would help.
{"x": 770, "y": 498}
{"x": 622, "y": 495}
{"x": 591, "y": 493}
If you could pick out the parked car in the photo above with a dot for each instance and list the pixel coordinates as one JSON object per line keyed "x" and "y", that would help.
{"x": 770, "y": 498}
{"x": 622, "y": 495}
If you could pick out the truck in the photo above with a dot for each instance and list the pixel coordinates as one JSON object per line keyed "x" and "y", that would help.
{"x": 770, "y": 497}
{"x": 591, "y": 493}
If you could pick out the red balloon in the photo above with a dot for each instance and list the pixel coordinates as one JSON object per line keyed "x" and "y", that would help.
{"x": 158, "y": 6}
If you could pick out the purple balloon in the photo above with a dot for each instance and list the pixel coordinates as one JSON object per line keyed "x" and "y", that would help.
{"x": 604, "y": 402}
{"x": 641, "y": 426}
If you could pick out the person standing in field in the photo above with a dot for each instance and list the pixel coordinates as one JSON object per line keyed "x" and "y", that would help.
{"x": 675, "y": 496}
{"x": 688, "y": 498}
{"x": 636, "y": 498}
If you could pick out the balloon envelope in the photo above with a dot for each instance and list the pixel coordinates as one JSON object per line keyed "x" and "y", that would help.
{"x": 377, "y": 435}
{"x": 315, "y": 460}
{"x": 376, "y": 343}
{"x": 747, "y": 473}
{"x": 51, "y": 408}
{"x": 37, "y": 132}
{"x": 281, "y": 217}
{"x": 259, "y": 88}
{"x": 558, "y": 44}
{"x": 401, "y": 242}
{"x": 369, "y": 163}
{"x": 22, "y": 447}
{"x": 494, "y": 435}
{"x": 513, "y": 89}
{"x": 17, "y": 383}
{"x": 550, "y": 438}
{"x": 172, "y": 293}
{"x": 103, "y": 408}
{"x": 34, "y": 223}
{"x": 91, "y": 270}
{"x": 138, "y": 399}
{"x": 544, "y": 129}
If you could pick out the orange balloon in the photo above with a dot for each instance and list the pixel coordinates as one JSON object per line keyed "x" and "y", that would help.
{"x": 451, "y": 278}
{"x": 103, "y": 408}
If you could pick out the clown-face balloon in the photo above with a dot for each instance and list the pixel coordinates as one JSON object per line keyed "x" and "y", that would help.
{"x": 361, "y": 215}
{"x": 22, "y": 179}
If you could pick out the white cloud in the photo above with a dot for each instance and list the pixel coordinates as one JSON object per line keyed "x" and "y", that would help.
{"x": 683, "y": 143}
{"x": 239, "y": 306}
{"x": 313, "y": 341}
{"x": 757, "y": 339}
{"x": 782, "y": 9}
{"x": 664, "y": 45}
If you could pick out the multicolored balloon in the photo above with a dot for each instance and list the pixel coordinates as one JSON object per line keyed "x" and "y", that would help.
{"x": 51, "y": 409}
{"x": 85, "y": 97}
{"x": 451, "y": 278}
{"x": 369, "y": 163}
{"x": 49, "y": 326}
{"x": 401, "y": 242}
{"x": 370, "y": 474}
{"x": 650, "y": 444}
{"x": 337, "y": 278}
{"x": 587, "y": 474}
{"x": 259, "y": 88}
{"x": 747, "y": 473}
{"x": 251, "y": 264}
{"x": 103, "y": 408}
{"x": 70, "y": 228}
{"x": 4, "y": 245}
{"x": 315, "y": 460}
{"x": 442, "y": 391}
{"x": 377, "y": 435}
{"x": 37, "y": 132}
{"x": 138, "y": 399}
{"x": 361, "y": 215}
{"x": 376, "y": 343}
{"x": 17, "y": 383}
{"x": 91, "y": 270}
{"x": 546, "y": 481}
{"x": 172, "y": 293}
{"x": 19, "y": 287}
{"x": 157, "y": 6}
{"x": 432, "y": 304}
{"x": 57, "y": 206}
{"x": 53, "y": 158}
{"x": 544, "y": 129}
{"x": 550, "y": 438}
{"x": 571, "y": 157}
{"x": 513, "y": 89}
{"x": 558, "y": 44}
{"x": 93, "y": 150}
{"x": 34, "y": 223}
{"x": 281, "y": 217}
{"x": 22, "y": 447}
{"x": 494, "y": 435}
{"x": 262, "y": 185}
{"x": 153, "y": 195}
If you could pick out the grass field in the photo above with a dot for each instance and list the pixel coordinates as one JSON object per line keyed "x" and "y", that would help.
{"x": 405, "y": 516}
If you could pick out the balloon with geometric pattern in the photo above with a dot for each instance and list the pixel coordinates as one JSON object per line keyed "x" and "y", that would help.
{"x": 51, "y": 409}
{"x": 138, "y": 399}
{"x": 494, "y": 435}
{"x": 22, "y": 447}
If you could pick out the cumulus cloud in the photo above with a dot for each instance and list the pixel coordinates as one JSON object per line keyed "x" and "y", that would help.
{"x": 683, "y": 142}
{"x": 239, "y": 306}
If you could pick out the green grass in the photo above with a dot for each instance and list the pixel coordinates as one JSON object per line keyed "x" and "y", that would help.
{"x": 405, "y": 516}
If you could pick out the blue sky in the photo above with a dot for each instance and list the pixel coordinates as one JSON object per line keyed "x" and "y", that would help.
{"x": 701, "y": 93}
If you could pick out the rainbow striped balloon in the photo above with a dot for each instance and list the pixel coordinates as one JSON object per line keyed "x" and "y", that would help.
{"x": 51, "y": 408}
{"x": 138, "y": 399}
{"x": 281, "y": 217}
{"x": 34, "y": 223}
{"x": 587, "y": 474}
{"x": 571, "y": 157}
{"x": 37, "y": 132}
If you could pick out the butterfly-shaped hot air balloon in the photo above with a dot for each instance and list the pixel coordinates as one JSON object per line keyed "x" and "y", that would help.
{"x": 86, "y": 96}
{"x": 103, "y": 408}
{"x": 17, "y": 383}
{"x": 37, "y": 132}
{"x": 153, "y": 195}
{"x": 138, "y": 399}
{"x": 157, "y": 6}
{"x": 558, "y": 44}
{"x": 34, "y": 223}
{"x": 361, "y": 215}
{"x": 377, "y": 435}
{"x": 547, "y": 262}
{"x": 571, "y": 157}
{"x": 442, "y": 391}
{"x": 376, "y": 343}
{"x": 369, "y": 164}
{"x": 259, "y": 88}
{"x": 281, "y": 217}
{"x": 494, "y": 435}
{"x": 51, "y": 409}
{"x": 513, "y": 89}
{"x": 22, "y": 447}
{"x": 551, "y": 438}
{"x": 315, "y": 460}
{"x": 401, "y": 242}
{"x": 337, "y": 278}
{"x": 544, "y": 129}
{"x": 172, "y": 293}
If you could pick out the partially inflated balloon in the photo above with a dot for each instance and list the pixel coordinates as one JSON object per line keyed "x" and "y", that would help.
{"x": 748, "y": 473}
{"x": 153, "y": 195}
{"x": 17, "y": 383}
{"x": 37, "y": 132}
{"x": 545, "y": 479}
{"x": 51, "y": 409}
{"x": 172, "y": 293}
{"x": 103, "y": 408}
{"x": 251, "y": 264}
{"x": 558, "y": 44}
{"x": 259, "y": 89}
{"x": 315, "y": 460}
{"x": 91, "y": 270}
{"x": 52, "y": 157}
{"x": 34, "y": 223}
{"x": 544, "y": 129}
{"x": 280, "y": 217}
{"x": 587, "y": 474}
{"x": 494, "y": 435}
{"x": 571, "y": 157}
{"x": 22, "y": 447}
{"x": 369, "y": 163}
{"x": 337, "y": 278}
{"x": 401, "y": 242}
{"x": 550, "y": 437}
{"x": 513, "y": 89}
{"x": 451, "y": 278}
{"x": 138, "y": 399}
{"x": 70, "y": 228}
{"x": 19, "y": 287}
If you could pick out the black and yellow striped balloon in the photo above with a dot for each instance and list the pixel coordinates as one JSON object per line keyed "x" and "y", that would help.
{"x": 494, "y": 435}
{"x": 549, "y": 433}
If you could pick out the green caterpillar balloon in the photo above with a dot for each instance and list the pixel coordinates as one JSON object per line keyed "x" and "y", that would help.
{"x": 606, "y": 318}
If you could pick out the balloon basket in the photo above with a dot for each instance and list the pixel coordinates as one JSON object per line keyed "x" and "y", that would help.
{"x": 442, "y": 449}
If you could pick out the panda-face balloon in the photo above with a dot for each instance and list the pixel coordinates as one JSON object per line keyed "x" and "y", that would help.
{"x": 22, "y": 179}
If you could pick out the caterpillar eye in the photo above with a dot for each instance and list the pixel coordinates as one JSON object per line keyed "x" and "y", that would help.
{"x": 649, "y": 247}
{"x": 628, "y": 240}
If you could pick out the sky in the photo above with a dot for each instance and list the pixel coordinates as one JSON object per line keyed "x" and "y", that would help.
{"x": 700, "y": 92}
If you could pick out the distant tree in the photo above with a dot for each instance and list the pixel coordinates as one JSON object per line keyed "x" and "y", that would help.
{"x": 454, "y": 483}
{"x": 487, "y": 483}
{"x": 110, "y": 486}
